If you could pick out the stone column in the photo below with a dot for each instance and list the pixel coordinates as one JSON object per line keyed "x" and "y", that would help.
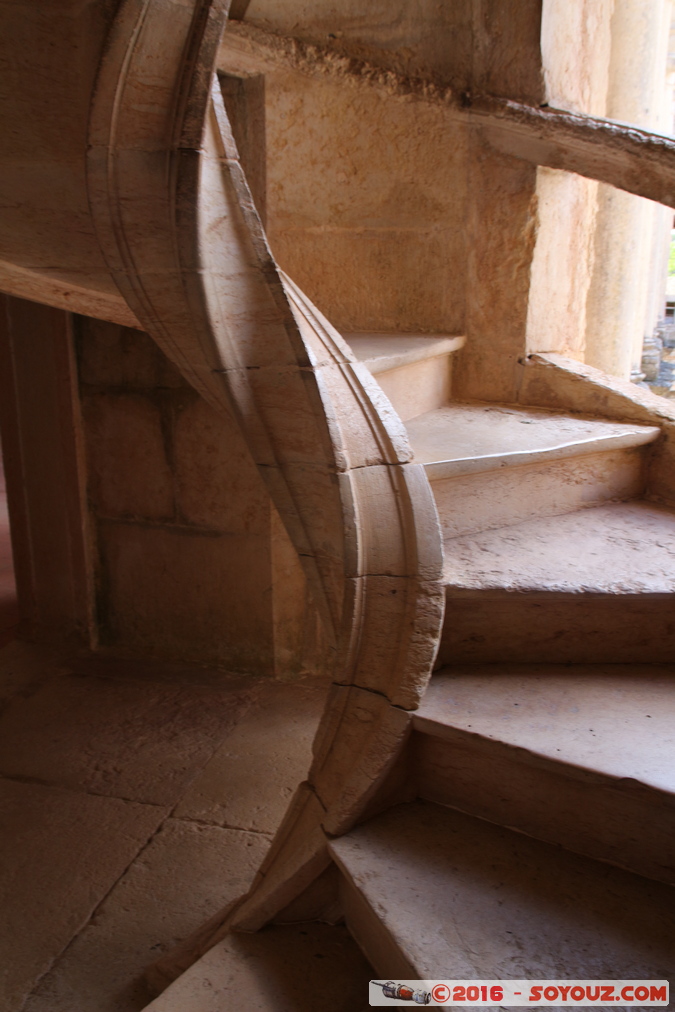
{"x": 575, "y": 47}
{"x": 618, "y": 298}
{"x": 42, "y": 444}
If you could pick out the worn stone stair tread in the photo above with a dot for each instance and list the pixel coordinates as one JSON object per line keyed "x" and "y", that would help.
{"x": 459, "y": 898}
{"x": 282, "y": 968}
{"x": 616, "y": 548}
{"x": 469, "y": 438}
{"x": 613, "y": 720}
{"x": 381, "y": 352}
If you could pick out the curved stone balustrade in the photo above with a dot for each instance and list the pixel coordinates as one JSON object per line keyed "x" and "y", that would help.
{"x": 180, "y": 237}
{"x": 184, "y": 244}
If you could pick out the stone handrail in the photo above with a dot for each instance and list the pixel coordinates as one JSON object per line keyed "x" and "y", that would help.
{"x": 181, "y": 237}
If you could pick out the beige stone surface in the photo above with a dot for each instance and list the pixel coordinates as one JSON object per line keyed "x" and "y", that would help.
{"x": 129, "y": 474}
{"x": 576, "y": 44}
{"x": 175, "y": 595}
{"x": 373, "y": 233}
{"x": 160, "y": 455}
{"x": 297, "y": 857}
{"x": 388, "y": 27}
{"x": 486, "y": 500}
{"x": 579, "y": 756}
{"x": 619, "y": 720}
{"x": 554, "y": 381}
{"x": 115, "y": 356}
{"x": 368, "y": 209}
{"x": 25, "y": 666}
{"x": 621, "y": 548}
{"x": 383, "y": 352}
{"x": 45, "y": 464}
{"x": 484, "y": 436}
{"x": 579, "y": 810}
{"x": 498, "y": 273}
{"x": 62, "y": 851}
{"x": 186, "y": 873}
{"x": 140, "y": 740}
{"x": 217, "y": 483}
{"x": 357, "y": 744}
{"x": 505, "y": 626}
{"x": 249, "y": 781}
{"x": 87, "y": 900}
{"x": 619, "y": 312}
{"x": 446, "y": 886}
{"x": 44, "y": 162}
{"x": 414, "y": 389}
{"x": 289, "y": 968}
{"x": 563, "y": 261}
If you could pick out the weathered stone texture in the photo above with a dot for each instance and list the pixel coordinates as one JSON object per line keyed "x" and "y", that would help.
{"x": 217, "y": 484}
{"x": 373, "y": 233}
{"x": 129, "y": 474}
{"x": 171, "y": 486}
{"x": 44, "y": 903}
{"x": 175, "y": 592}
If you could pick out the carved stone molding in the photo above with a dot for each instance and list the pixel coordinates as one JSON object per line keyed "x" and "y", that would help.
{"x": 183, "y": 241}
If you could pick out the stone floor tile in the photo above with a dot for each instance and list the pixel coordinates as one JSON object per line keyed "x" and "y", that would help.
{"x": 187, "y": 873}
{"x": 60, "y": 853}
{"x": 25, "y": 666}
{"x": 250, "y": 779}
{"x": 283, "y": 968}
{"x": 144, "y": 741}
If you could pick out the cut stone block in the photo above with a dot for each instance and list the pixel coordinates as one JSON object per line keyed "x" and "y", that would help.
{"x": 217, "y": 481}
{"x": 495, "y": 465}
{"x": 413, "y": 370}
{"x": 60, "y": 853}
{"x": 129, "y": 474}
{"x": 113, "y": 356}
{"x": 171, "y": 594}
{"x": 283, "y": 968}
{"x": 467, "y": 438}
{"x": 590, "y": 587}
{"x": 185, "y": 874}
{"x": 622, "y": 548}
{"x": 433, "y": 894}
{"x": 583, "y": 757}
{"x": 139, "y": 740}
{"x": 25, "y": 666}
{"x": 250, "y": 780}
{"x": 383, "y": 352}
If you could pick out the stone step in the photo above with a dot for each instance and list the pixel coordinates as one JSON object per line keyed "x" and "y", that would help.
{"x": 491, "y": 465}
{"x": 581, "y": 756}
{"x": 431, "y": 893}
{"x": 283, "y": 968}
{"x": 596, "y": 586}
{"x": 414, "y": 370}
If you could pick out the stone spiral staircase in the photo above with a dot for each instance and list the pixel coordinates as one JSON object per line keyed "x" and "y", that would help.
{"x": 527, "y": 828}
{"x": 512, "y": 815}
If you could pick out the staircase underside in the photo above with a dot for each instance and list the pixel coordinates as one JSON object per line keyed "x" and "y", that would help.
{"x": 536, "y": 837}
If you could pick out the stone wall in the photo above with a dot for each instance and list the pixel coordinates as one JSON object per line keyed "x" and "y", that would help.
{"x": 190, "y": 560}
{"x": 366, "y": 204}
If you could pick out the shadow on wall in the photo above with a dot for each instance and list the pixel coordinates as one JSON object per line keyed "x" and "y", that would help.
{"x": 9, "y": 612}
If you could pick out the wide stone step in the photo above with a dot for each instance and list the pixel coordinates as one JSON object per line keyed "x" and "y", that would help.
{"x": 593, "y": 586}
{"x": 282, "y": 968}
{"x": 491, "y": 465}
{"x": 414, "y": 370}
{"x": 432, "y": 893}
{"x": 580, "y": 756}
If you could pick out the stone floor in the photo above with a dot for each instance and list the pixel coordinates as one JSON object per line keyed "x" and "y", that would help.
{"x": 135, "y": 801}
